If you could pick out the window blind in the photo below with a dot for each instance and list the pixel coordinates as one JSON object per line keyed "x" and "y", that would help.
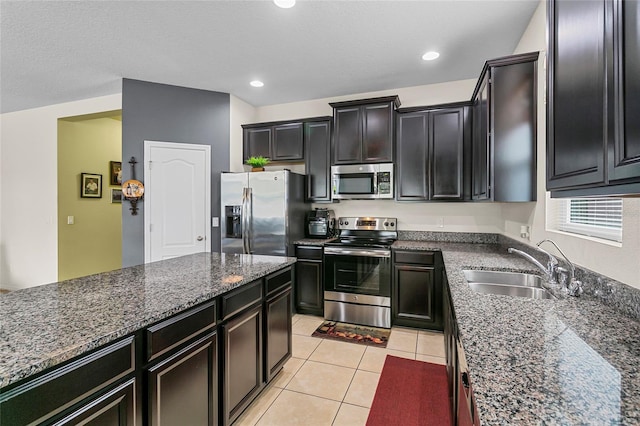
{"x": 594, "y": 217}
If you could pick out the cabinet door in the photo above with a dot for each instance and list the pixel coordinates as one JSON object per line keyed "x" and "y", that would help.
{"x": 183, "y": 387}
{"x": 309, "y": 290}
{"x": 347, "y": 137}
{"x": 377, "y": 133}
{"x": 578, "y": 88}
{"x": 513, "y": 132}
{"x": 447, "y": 153}
{"x": 415, "y": 299}
{"x": 624, "y": 158}
{"x": 317, "y": 139}
{"x": 243, "y": 349}
{"x": 278, "y": 333}
{"x": 288, "y": 142}
{"x": 481, "y": 143}
{"x": 115, "y": 408}
{"x": 412, "y": 166}
{"x": 257, "y": 142}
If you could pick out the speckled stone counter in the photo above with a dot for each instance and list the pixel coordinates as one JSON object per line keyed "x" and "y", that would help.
{"x": 46, "y": 325}
{"x": 313, "y": 241}
{"x": 558, "y": 361}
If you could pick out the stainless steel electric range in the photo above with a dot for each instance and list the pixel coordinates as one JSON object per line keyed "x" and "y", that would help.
{"x": 357, "y": 271}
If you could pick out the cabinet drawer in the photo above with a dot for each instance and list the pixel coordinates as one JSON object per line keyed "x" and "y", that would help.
{"x": 419, "y": 257}
{"x": 278, "y": 280}
{"x": 309, "y": 253}
{"x": 241, "y": 298}
{"x": 171, "y": 333}
{"x": 54, "y": 392}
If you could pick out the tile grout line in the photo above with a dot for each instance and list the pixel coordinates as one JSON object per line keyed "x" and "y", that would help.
{"x": 265, "y": 411}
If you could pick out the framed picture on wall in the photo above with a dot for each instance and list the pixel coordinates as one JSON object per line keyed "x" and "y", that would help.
{"x": 90, "y": 185}
{"x": 116, "y": 195}
{"x": 115, "y": 173}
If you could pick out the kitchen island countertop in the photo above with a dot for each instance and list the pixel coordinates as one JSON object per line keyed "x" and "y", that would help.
{"x": 552, "y": 361}
{"x": 43, "y": 326}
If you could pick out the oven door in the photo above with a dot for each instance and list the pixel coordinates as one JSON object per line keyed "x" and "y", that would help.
{"x": 358, "y": 270}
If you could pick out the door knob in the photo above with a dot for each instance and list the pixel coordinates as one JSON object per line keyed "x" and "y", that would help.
{"x": 199, "y": 238}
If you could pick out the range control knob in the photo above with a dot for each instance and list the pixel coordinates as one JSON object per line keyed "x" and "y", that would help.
{"x": 386, "y": 224}
{"x": 341, "y": 223}
{"x": 391, "y": 223}
{"x": 346, "y": 222}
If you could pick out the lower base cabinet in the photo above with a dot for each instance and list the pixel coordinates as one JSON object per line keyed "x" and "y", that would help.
{"x": 278, "y": 332}
{"x": 243, "y": 377}
{"x": 116, "y": 407}
{"x": 309, "y": 288}
{"x": 182, "y": 389}
{"x": 202, "y": 366}
{"x": 417, "y": 290}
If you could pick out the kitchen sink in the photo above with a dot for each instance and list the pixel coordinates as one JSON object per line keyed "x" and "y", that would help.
{"x": 507, "y": 283}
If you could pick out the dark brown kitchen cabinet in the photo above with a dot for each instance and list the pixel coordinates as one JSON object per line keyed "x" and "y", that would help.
{"x": 76, "y": 389}
{"x": 182, "y": 377}
{"x": 317, "y": 146}
{"x": 416, "y": 299}
{"x": 504, "y": 145}
{"x": 243, "y": 360}
{"x": 593, "y": 135}
{"x": 282, "y": 141}
{"x": 461, "y": 397}
{"x": 115, "y": 408}
{"x": 277, "y": 319}
{"x": 481, "y": 143}
{"x": 432, "y": 149}
{"x": 309, "y": 291}
{"x": 183, "y": 388}
{"x": 364, "y": 130}
{"x": 242, "y": 339}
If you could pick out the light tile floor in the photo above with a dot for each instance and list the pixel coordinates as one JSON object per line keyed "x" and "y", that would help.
{"x": 331, "y": 383}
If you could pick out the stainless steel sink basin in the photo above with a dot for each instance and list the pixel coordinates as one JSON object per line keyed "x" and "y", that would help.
{"x": 507, "y": 283}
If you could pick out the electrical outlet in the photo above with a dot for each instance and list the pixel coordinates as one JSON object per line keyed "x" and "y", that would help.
{"x": 441, "y": 222}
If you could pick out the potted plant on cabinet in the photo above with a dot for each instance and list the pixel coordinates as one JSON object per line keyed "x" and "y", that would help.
{"x": 257, "y": 163}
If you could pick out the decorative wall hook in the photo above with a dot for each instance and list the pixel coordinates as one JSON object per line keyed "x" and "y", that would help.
{"x": 133, "y": 189}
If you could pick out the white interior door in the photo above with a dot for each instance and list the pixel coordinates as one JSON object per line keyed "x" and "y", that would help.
{"x": 177, "y": 199}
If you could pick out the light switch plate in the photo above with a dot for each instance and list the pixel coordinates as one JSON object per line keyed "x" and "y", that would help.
{"x": 70, "y": 220}
{"x": 215, "y": 222}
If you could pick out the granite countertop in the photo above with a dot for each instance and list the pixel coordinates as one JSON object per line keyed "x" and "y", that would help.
{"x": 553, "y": 361}
{"x": 44, "y": 326}
{"x": 314, "y": 241}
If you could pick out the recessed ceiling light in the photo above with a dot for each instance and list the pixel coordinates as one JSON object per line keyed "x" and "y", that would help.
{"x": 430, "y": 56}
{"x": 257, "y": 83}
{"x": 285, "y": 4}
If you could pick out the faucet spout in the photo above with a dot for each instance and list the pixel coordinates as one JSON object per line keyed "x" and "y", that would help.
{"x": 532, "y": 260}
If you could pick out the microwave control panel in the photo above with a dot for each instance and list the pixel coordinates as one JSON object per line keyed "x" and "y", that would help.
{"x": 384, "y": 182}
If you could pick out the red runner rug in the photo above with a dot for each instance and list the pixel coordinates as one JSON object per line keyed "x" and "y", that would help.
{"x": 411, "y": 393}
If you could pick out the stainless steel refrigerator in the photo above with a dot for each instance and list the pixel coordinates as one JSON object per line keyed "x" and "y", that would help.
{"x": 262, "y": 212}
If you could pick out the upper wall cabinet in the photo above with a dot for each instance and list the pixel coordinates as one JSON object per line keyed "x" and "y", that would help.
{"x": 317, "y": 146}
{"x": 364, "y": 130}
{"x": 433, "y": 146}
{"x": 593, "y": 139}
{"x": 281, "y": 141}
{"x": 504, "y": 134}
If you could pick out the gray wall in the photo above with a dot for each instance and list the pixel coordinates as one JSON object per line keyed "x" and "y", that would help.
{"x": 160, "y": 112}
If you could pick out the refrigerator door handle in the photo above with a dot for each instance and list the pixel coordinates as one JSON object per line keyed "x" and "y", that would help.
{"x": 249, "y": 221}
{"x": 244, "y": 219}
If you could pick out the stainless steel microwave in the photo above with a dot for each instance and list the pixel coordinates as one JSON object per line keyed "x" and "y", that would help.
{"x": 362, "y": 181}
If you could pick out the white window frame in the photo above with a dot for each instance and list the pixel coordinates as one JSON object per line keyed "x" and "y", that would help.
{"x": 561, "y": 217}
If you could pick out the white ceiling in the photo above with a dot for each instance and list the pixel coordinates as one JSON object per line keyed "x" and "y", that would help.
{"x": 59, "y": 51}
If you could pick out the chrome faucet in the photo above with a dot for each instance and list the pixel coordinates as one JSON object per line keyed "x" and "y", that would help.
{"x": 553, "y": 273}
{"x": 574, "y": 286}
{"x": 547, "y": 272}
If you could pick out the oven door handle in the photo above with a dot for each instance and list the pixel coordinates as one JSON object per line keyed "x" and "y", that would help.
{"x": 357, "y": 252}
